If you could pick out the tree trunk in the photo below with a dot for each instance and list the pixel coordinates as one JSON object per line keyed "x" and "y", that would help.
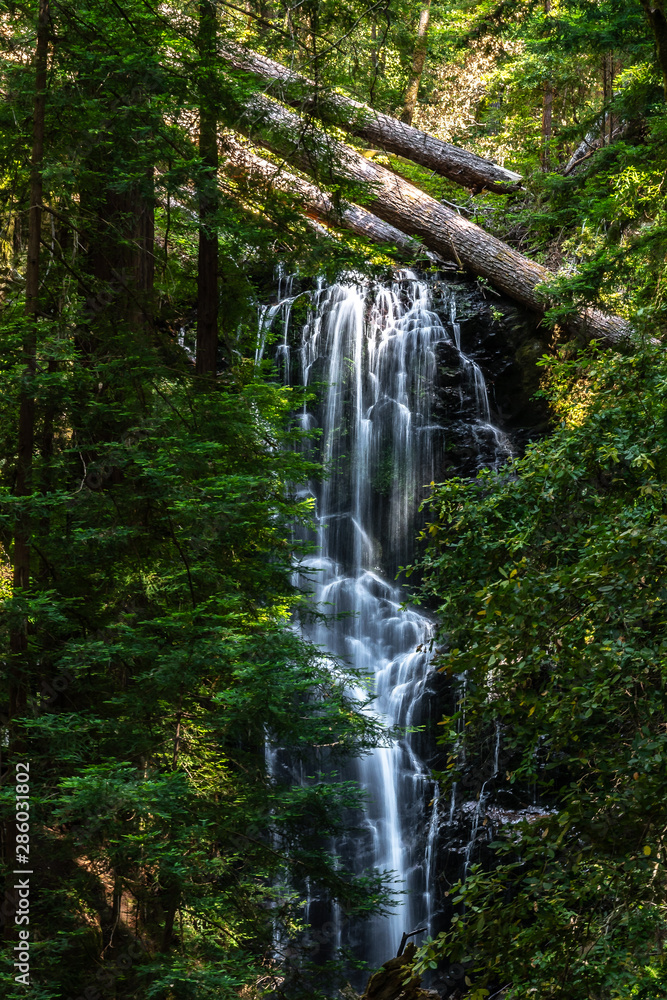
{"x": 118, "y": 227}
{"x": 380, "y": 130}
{"x": 655, "y": 12}
{"x": 396, "y": 980}
{"x": 207, "y": 268}
{"x": 26, "y": 428}
{"x": 608, "y": 123}
{"x": 418, "y": 60}
{"x": 414, "y": 212}
{"x": 143, "y": 265}
{"x": 547, "y": 112}
{"x": 18, "y": 640}
{"x": 377, "y": 59}
{"x": 605, "y": 101}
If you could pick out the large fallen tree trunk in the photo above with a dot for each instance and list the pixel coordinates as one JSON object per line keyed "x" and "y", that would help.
{"x": 255, "y": 173}
{"x": 414, "y": 212}
{"x": 383, "y": 131}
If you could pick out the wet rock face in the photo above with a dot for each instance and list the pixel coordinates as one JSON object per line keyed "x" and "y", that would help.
{"x": 478, "y": 806}
{"x": 509, "y": 343}
{"x": 505, "y": 341}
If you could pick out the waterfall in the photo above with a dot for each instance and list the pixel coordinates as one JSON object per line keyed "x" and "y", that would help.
{"x": 373, "y": 355}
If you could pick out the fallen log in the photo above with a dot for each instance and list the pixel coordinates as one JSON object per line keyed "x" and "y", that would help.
{"x": 382, "y": 131}
{"x": 396, "y": 980}
{"x": 255, "y": 172}
{"x": 414, "y": 212}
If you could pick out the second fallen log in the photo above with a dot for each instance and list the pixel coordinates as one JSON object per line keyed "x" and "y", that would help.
{"x": 255, "y": 173}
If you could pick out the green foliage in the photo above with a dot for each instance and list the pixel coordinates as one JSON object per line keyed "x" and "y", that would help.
{"x": 160, "y": 663}
{"x": 592, "y": 70}
{"x": 535, "y": 43}
{"x": 160, "y": 658}
{"x": 615, "y": 217}
{"x": 550, "y": 583}
{"x": 364, "y": 48}
{"x": 161, "y": 671}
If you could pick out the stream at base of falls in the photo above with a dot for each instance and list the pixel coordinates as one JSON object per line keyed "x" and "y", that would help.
{"x": 377, "y": 357}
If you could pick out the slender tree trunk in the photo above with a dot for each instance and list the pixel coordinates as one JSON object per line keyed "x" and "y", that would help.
{"x": 547, "y": 111}
{"x": 255, "y": 175}
{"x": 207, "y": 271}
{"x": 414, "y": 212}
{"x": 170, "y": 898}
{"x": 608, "y": 95}
{"x": 614, "y": 121}
{"x": 417, "y": 68}
{"x": 46, "y": 453}
{"x": 547, "y": 115}
{"x": 375, "y": 60}
{"x": 380, "y": 130}
{"x": 144, "y": 257}
{"x": 605, "y": 100}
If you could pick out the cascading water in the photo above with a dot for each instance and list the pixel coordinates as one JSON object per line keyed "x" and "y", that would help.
{"x": 377, "y": 350}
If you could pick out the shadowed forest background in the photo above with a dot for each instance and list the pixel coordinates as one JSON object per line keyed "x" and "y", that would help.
{"x": 157, "y": 175}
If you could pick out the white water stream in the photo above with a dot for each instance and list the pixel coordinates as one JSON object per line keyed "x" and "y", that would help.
{"x": 375, "y": 350}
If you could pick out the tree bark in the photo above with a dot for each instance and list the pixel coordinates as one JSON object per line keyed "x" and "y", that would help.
{"x": 396, "y": 980}
{"x": 414, "y": 212}
{"x": 382, "y": 131}
{"x": 655, "y": 12}
{"x": 207, "y": 267}
{"x": 377, "y": 59}
{"x": 418, "y": 60}
{"x": 547, "y": 112}
{"x": 18, "y": 640}
{"x": 143, "y": 265}
{"x": 606, "y": 96}
{"x": 26, "y": 427}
